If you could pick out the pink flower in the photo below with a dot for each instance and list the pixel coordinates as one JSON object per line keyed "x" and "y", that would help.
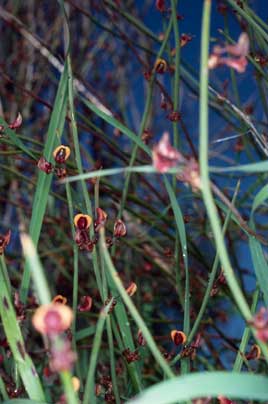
{"x": 238, "y": 53}
{"x": 166, "y": 156}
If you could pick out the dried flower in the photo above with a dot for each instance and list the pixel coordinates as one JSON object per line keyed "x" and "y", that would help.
{"x": 100, "y": 220}
{"x": 59, "y": 299}
{"x": 160, "y": 66}
{"x": 165, "y": 156}
{"x": 62, "y": 356}
{"x": 238, "y": 53}
{"x": 53, "y": 318}
{"x": 44, "y": 165}
{"x": 61, "y": 154}
{"x": 131, "y": 290}
{"x": 4, "y": 241}
{"x": 178, "y": 337}
{"x": 82, "y": 222}
{"x": 120, "y": 229}
{"x": 254, "y": 353}
{"x": 85, "y": 303}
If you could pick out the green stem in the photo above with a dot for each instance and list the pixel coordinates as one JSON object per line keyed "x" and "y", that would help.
{"x": 132, "y": 309}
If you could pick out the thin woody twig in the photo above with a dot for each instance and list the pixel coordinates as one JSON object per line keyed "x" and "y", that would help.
{"x": 38, "y": 45}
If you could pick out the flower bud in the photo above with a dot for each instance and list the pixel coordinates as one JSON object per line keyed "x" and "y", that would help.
{"x": 120, "y": 229}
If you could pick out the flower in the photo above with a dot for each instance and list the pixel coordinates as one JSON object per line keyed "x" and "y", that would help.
{"x": 59, "y": 299}
{"x": 238, "y": 52}
{"x": 4, "y": 241}
{"x": 178, "y": 337}
{"x": 61, "y": 154}
{"x": 160, "y": 66}
{"x": 82, "y": 222}
{"x": 165, "y": 156}
{"x": 51, "y": 319}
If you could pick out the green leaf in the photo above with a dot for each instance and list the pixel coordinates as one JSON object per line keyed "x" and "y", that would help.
{"x": 259, "y": 261}
{"x": 260, "y": 167}
{"x": 243, "y": 386}
{"x": 23, "y": 401}
{"x": 55, "y": 129}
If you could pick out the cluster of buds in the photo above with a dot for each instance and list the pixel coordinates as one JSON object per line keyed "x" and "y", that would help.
{"x": 131, "y": 356}
{"x": 260, "y": 323}
{"x": 14, "y": 125}
{"x": 174, "y": 116}
{"x": 238, "y": 52}
{"x": 4, "y": 241}
{"x": 61, "y": 155}
{"x": 105, "y": 387}
{"x": 51, "y": 320}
